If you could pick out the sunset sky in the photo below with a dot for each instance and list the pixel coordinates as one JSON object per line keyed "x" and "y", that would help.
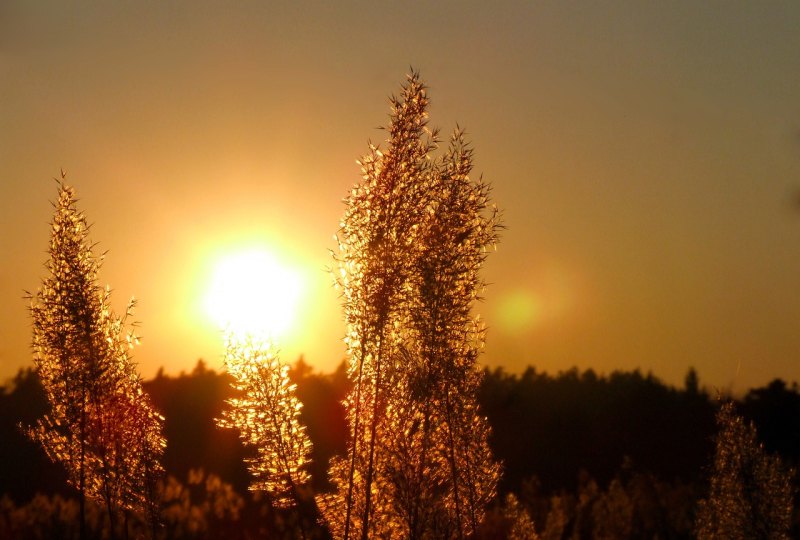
{"x": 646, "y": 157}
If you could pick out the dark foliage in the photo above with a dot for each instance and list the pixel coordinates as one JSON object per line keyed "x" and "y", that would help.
{"x": 24, "y": 469}
{"x": 554, "y": 426}
{"x": 323, "y": 416}
{"x": 190, "y": 403}
{"x": 775, "y": 409}
{"x": 547, "y": 430}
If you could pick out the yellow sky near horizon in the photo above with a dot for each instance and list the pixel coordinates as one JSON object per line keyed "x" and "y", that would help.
{"x": 646, "y": 158}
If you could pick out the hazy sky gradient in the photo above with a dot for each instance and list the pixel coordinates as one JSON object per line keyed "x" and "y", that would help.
{"x": 646, "y": 156}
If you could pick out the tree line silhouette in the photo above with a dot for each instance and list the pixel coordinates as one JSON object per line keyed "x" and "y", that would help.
{"x": 655, "y": 476}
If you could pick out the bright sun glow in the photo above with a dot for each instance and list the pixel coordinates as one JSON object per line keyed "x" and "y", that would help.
{"x": 252, "y": 293}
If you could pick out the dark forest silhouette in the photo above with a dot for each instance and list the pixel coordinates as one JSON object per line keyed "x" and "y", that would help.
{"x": 573, "y": 445}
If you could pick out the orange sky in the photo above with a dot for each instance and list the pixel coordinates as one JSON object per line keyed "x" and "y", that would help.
{"x": 647, "y": 158}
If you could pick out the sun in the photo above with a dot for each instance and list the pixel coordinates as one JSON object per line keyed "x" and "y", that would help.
{"x": 251, "y": 292}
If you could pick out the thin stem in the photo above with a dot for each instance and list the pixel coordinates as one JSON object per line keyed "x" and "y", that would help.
{"x": 373, "y": 433}
{"x": 353, "y": 451}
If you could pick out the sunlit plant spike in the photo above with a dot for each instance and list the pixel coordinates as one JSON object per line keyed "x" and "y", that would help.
{"x": 751, "y": 493}
{"x": 102, "y": 427}
{"x": 266, "y": 414}
{"x": 411, "y": 244}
